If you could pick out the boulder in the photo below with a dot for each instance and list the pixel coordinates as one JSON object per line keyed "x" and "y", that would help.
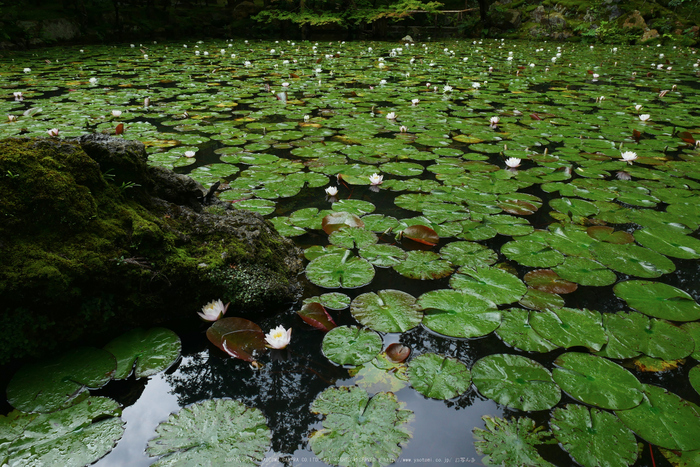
{"x": 634, "y": 20}
{"x": 649, "y": 35}
{"x": 94, "y": 239}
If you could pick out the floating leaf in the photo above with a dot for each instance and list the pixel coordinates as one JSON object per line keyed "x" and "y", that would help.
{"x": 654, "y": 365}
{"x": 153, "y": 350}
{"x": 73, "y": 437}
{"x": 664, "y": 419}
{"x": 515, "y": 381}
{"x": 315, "y": 315}
{"x": 694, "y": 378}
{"x": 669, "y": 242}
{"x": 383, "y": 255}
{"x": 397, "y": 353}
{"x": 350, "y": 345}
{"x": 515, "y": 330}
{"x": 491, "y": 284}
{"x": 353, "y": 238}
{"x": 597, "y": 381}
{"x": 682, "y": 458}
{"x": 386, "y": 311}
{"x": 468, "y": 254}
{"x": 335, "y": 300}
{"x": 380, "y": 375}
{"x": 438, "y": 377}
{"x": 511, "y": 442}
{"x": 549, "y": 281}
{"x": 336, "y": 270}
{"x": 585, "y": 271}
{"x": 539, "y": 300}
{"x": 238, "y": 337}
{"x": 608, "y": 234}
{"x": 534, "y": 254}
{"x": 337, "y": 220}
{"x": 421, "y": 234}
{"x": 423, "y": 265}
{"x": 658, "y": 300}
{"x": 570, "y": 327}
{"x": 358, "y": 429}
{"x": 632, "y": 259}
{"x": 55, "y": 383}
{"x": 593, "y": 438}
{"x": 457, "y": 314}
{"x": 222, "y": 431}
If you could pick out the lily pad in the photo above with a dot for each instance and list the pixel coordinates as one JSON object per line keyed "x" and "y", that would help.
{"x": 222, "y": 431}
{"x": 338, "y": 220}
{"x": 570, "y": 327}
{"x": 515, "y": 331}
{"x": 664, "y": 419}
{"x": 238, "y": 337}
{"x": 386, "y": 311}
{"x": 380, "y": 375}
{"x": 659, "y": 300}
{"x": 316, "y": 315}
{"x": 533, "y": 254}
{"x": 75, "y": 436}
{"x": 383, "y": 255}
{"x": 669, "y": 242}
{"x": 468, "y": 254}
{"x": 423, "y": 265}
{"x": 339, "y": 270}
{"x": 350, "y": 345}
{"x": 359, "y": 429}
{"x": 511, "y": 442}
{"x": 152, "y": 351}
{"x": 492, "y": 284}
{"x": 55, "y": 383}
{"x": 597, "y": 381}
{"x": 549, "y": 281}
{"x": 593, "y": 437}
{"x": 438, "y": 377}
{"x": 632, "y": 260}
{"x": 585, "y": 271}
{"x": 515, "y": 381}
{"x": 457, "y": 314}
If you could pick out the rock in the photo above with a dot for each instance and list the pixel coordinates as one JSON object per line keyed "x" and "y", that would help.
{"x": 556, "y": 20}
{"x": 94, "y": 239}
{"x": 538, "y": 14}
{"x": 509, "y": 19}
{"x": 245, "y": 10}
{"x": 649, "y": 35}
{"x": 59, "y": 29}
{"x": 407, "y": 39}
{"x": 634, "y": 20}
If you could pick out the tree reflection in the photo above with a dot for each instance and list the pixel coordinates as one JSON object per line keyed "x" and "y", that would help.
{"x": 282, "y": 389}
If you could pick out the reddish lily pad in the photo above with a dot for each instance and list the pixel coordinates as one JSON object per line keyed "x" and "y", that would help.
{"x": 549, "y": 281}
{"x": 338, "y": 220}
{"x": 316, "y": 315}
{"x": 421, "y": 234}
{"x": 608, "y": 234}
{"x": 238, "y": 337}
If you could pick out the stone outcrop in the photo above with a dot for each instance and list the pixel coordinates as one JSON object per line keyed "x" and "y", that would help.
{"x": 635, "y": 20}
{"x": 92, "y": 238}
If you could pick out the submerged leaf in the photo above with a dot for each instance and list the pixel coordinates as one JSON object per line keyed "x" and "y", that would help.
{"x": 511, "y": 442}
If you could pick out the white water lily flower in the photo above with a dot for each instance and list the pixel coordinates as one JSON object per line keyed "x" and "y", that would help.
{"x": 476, "y": 85}
{"x": 206, "y": 53}
{"x": 629, "y": 156}
{"x": 116, "y": 113}
{"x": 145, "y": 56}
{"x": 246, "y": 63}
{"x": 285, "y": 85}
{"x": 147, "y": 102}
{"x": 415, "y": 101}
{"x": 307, "y": 118}
{"x": 382, "y": 82}
{"x": 12, "y": 118}
{"x": 494, "y": 121}
{"x": 278, "y": 338}
{"x": 644, "y": 117}
{"x": 403, "y": 129}
{"x": 93, "y": 80}
{"x": 52, "y": 132}
{"x": 375, "y": 179}
{"x": 190, "y": 154}
{"x": 447, "y": 88}
{"x": 27, "y": 70}
{"x": 638, "y": 107}
{"x": 18, "y": 95}
{"x": 331, "y": 191}
{"x": 513, "y": 162}
{"x": 213, "y": 310}
{"x": 391, "y": 115}
{"x": 621, "y": 175}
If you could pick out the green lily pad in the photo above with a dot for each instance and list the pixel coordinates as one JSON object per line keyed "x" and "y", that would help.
{"x": 511, "y": 442}
{"x": 55, "y": 383}
{"x": 632, "y": 260}
{"x": 538, "y": 300}
{"x": 658, "y": 300}
{"x": 491, "y": 284}
{"x": 380, "y": 375}
{"x": 336, "y": 270}
{"x": 681, "y": 458}
{"x": 338, "y": 220}
{"x": 439, "y": 377}
{"x": 383, "y": 255}
{"x": 350, "y": 345}
{"x": 335, "y": 300}
{"x": 358, "y": 429}
{"x": 515, "y": 381}
{"x": 457, "y": 314}
{"x": 694, "y": 378}
{"x": 75, "y": 436}
{"x": 515, "y": 331}
{"x": 570, "y": 327}
{"x": 152, "y": 351}
{"x": 664, "y": 419}
{"x": 423, "y": 265}
{"x": 669, "y": 242}
{"x": 593, "y": 438}
{"x": 694, "y": 330}
{"x": 353, "y": 238}
{"x": 238, "y": 337}
{"x": 585, "y": 271}
{"x": 386, "y": 311}
{"x": 222, "y": 431}
{"x": 530, "y": 253}
{"x": 468, "y": 254}
{"x": 597, "y": 381}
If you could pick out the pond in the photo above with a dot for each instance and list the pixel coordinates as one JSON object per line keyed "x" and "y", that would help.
{"x": 514, "y": 282}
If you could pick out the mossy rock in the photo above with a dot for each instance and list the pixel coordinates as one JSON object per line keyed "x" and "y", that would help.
{"x": 92, "y": 238}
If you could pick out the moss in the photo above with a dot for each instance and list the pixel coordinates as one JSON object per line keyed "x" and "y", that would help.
{"x": 79, "y": 257}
